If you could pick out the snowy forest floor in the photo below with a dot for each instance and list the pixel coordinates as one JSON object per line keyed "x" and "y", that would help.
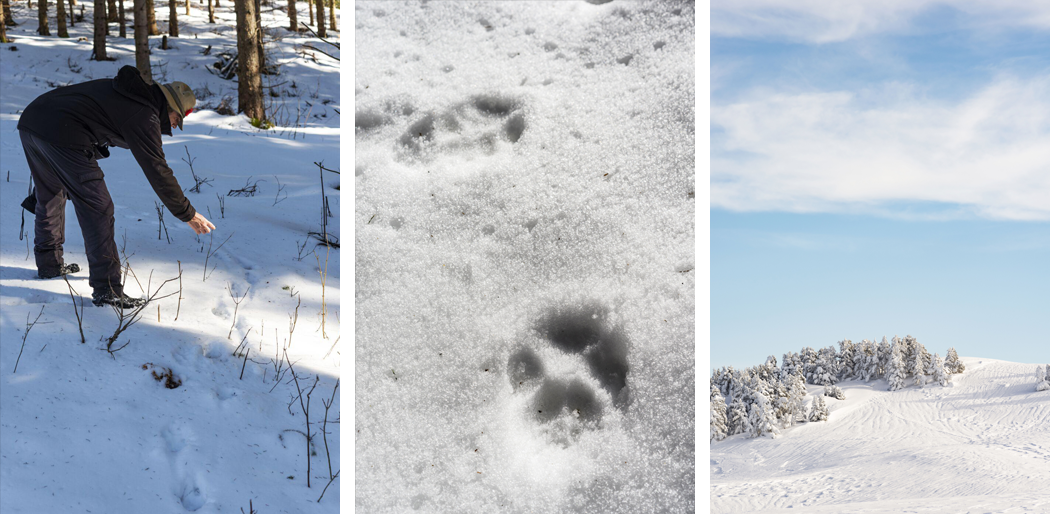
{"x": 84, "y": 431}
{"x": 979, "y": 445}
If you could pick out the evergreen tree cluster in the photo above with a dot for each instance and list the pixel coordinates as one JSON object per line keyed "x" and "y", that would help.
{"x": 765, "y": 399}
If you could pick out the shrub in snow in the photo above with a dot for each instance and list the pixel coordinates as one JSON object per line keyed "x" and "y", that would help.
{"x": 895, "y": 371}
{"x": 835, "y": 392}
{"x": 719, "y": 419}
{"x": 820, "y": 410}
{"x": 940, "y": 373}
{"x": 952, "y": 362}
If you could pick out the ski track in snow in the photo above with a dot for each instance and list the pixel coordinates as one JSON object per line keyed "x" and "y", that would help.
{"x": 979, "y": 445}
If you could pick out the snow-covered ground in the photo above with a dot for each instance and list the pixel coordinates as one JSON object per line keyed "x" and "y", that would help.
{"x": 980, "y": 445}
{"x": 524, "y": 182}
{"x": 84, "y": 431}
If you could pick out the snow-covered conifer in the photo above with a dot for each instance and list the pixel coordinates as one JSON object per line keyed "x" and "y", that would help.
{"x": 763, "y": 417}
{"x": 796, "y": 389}
{"x": 869, "y": 360}
{"x": 918, "y": 367}
{"x": 884, "y": 354}
{"x": 809, "y": 362}
{"x": 719, "y": 419}
{"x": 895, "y": 371}
{"x": 952, "y": 362}
{"x": 847, "y": 360}
{"x": 738, "y": 419}
{"x": 826, "y": 370}
{"x": 790, "y": 363}
{"x": 1043, "y": 378}
{"x": 819, "y": 411}
{"x": 940, "y": 373}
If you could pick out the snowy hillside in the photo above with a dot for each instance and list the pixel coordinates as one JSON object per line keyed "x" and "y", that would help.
{"x": 980, "y": 445}
{"x": 524, "y": 178}
{"x": 167, "y": 423}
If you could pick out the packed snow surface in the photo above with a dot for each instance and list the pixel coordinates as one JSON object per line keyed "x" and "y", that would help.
{"x": 84, "y": 431}
{"x": 524, "y": 257}
{"x": 979, "y": 445}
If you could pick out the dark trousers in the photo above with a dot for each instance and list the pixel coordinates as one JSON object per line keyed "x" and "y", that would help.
{"x": 62, "y": 173}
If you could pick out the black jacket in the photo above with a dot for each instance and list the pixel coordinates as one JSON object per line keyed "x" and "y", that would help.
{"x": 124, "y": 112}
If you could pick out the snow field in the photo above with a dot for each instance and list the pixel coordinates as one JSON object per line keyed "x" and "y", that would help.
{"x": 512, "y": 172}
{"x": 978, "y": 445}
{"x": 84, "y": 432}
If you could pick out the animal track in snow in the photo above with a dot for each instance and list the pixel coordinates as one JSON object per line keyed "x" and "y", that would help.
{"x": 177, "y": 437}
{"x": 481, "y": 124}
{"x": 573, "y": 398}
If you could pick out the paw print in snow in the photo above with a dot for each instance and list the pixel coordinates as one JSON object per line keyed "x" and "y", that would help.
{"x": 592, "y": 373}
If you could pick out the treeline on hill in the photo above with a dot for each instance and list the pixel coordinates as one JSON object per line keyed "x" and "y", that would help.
{"x": 764, "y": 399}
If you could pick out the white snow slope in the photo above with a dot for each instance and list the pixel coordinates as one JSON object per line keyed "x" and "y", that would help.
{"x": 523, "y": 170}
{"x": 81, "y": 431}
{"x": 980, "y": 445}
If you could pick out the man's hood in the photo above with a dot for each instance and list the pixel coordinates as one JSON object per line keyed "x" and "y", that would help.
{"x": 129, "y": 83}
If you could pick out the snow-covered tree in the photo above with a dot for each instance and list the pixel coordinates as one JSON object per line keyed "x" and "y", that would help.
{"x": 1043, "y": 378}
{"x": 738, "y": 419}
{"x": 763, "y": 417}
{"x": 796, "y": 390}
{"x": 918, "y": 367}
{"x": 940, "y": 373}
{"x": 884, "y": 354}
{"x": 819, "y": 411}
{"x": 719, "y": 419}
{"x": 825, "y": 371}
{"x": 790, "y": 363}
{"x": 835, "y": 392}
{"x": 868, "y": 360}
{"x": 809, "y": 362}
{"x": 847, "y": 362}
{"x": 952, "y": 362}
{"x": 895, "y": 370}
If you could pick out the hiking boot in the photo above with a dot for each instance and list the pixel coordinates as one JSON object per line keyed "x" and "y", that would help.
{"x": 120, "y": 300}
{"x": 66, "y": 269}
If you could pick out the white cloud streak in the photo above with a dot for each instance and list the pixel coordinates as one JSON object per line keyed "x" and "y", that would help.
{"x": 987, "y": 155}
{"x": 825, "y": 21}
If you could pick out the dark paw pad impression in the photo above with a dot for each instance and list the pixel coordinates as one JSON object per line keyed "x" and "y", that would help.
{"x": 523, "y": 367}
{"x": 584, "y": 330}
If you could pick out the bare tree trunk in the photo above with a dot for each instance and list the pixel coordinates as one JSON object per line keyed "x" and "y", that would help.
{"x": 151, "y": 18}
{"x": 320, "y": 18}
{"x": 8, "y": 20}
{"x": 98, "y": 53}
{"x": 60, "y": 18}
{"x": 331, "y": 15}
{"x": 211, "y": 12}
{"x": 173, "y": 17}
{"x": 187, "y": 7}
{"x": 142, "y": 41}
{"x": 123, "y": 19}
{"x": 3, "y": 22}
{"x": 72, "y": 15}
{"x": 310, "y": 6}
{"x": 259, "y": 26}
{"x": 293, "y": 19}
{"x": 249, "y": 83}
{"x": 42, "y": 18}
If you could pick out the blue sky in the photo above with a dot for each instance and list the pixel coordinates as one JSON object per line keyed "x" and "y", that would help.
{"x": 880, "y": 168}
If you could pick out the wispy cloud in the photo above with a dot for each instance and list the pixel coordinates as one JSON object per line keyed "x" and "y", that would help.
{"x": 824, "y": 21}
{"x": 837, "y": 151}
